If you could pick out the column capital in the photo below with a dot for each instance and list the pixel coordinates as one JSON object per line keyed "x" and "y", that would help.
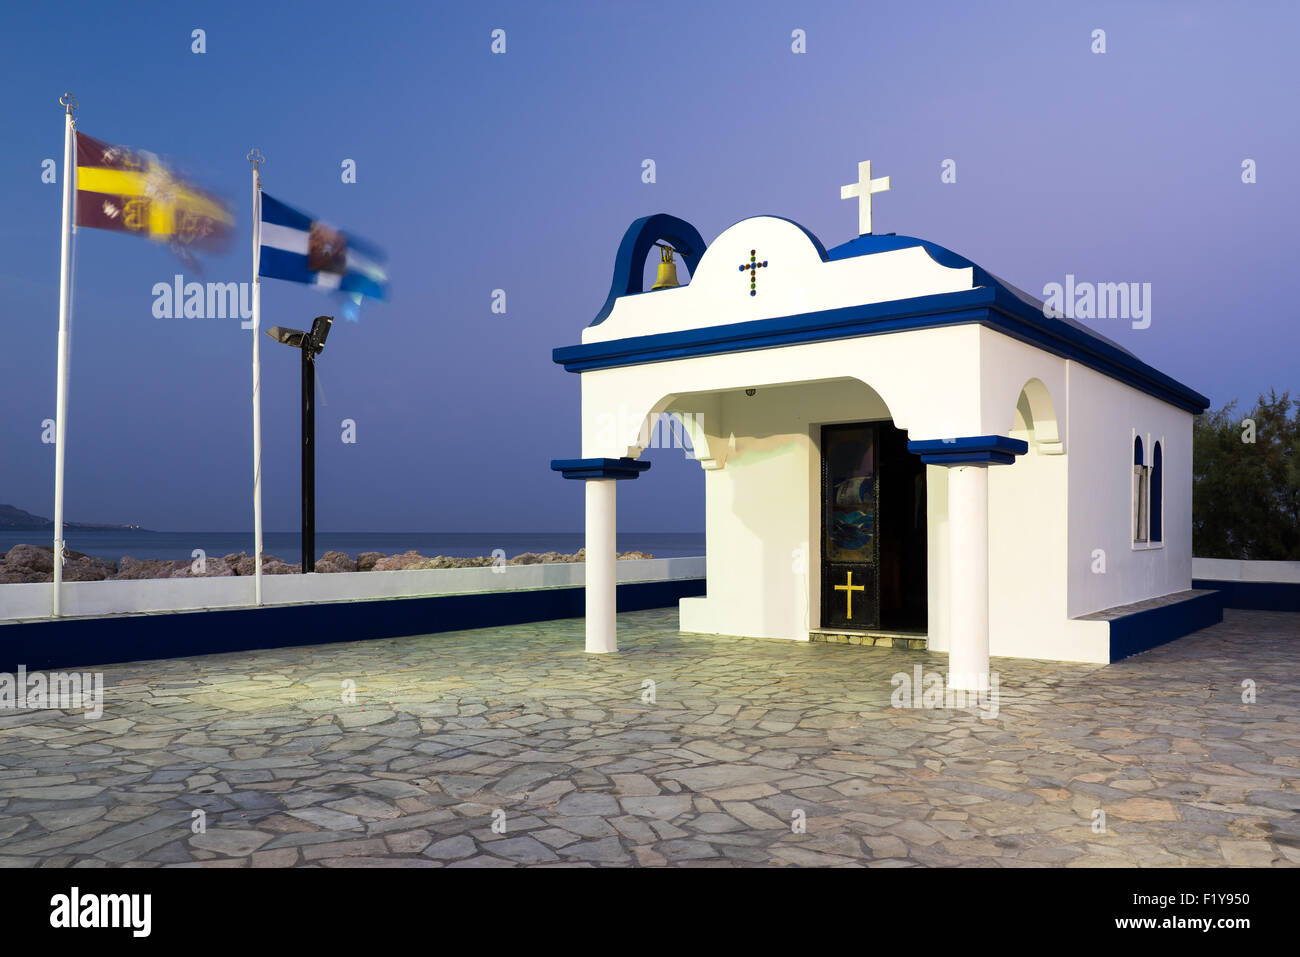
{"x": 969, "y": 450}
{"x": 599, "y": 468}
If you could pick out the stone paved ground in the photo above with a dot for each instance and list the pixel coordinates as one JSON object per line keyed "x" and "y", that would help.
{"x": 745, "y": 736}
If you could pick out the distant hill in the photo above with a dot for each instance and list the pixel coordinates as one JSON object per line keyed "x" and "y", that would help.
{"x": 16, "y": 519}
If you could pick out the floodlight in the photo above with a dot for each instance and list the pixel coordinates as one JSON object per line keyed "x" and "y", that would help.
{"x": 290, "y": 337}
{"x": 320, "y": 329}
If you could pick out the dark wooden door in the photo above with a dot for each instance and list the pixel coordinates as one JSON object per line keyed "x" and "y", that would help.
{"x": 850, "y": 569}
{"x": 904, "y": 596}
{"x": 873, "y": 530}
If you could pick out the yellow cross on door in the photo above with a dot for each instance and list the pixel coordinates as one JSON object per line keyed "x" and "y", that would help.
{"x": 849, "y": 588}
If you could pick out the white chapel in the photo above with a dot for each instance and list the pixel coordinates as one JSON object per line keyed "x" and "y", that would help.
{"x": 894, "y": 443}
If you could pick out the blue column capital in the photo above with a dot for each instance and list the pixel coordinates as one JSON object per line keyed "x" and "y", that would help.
{"x": 599, "y": 468}
{"x": 969, "y": 450}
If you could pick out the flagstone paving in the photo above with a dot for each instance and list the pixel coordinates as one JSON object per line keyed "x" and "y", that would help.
{"x": 511, "y": 747}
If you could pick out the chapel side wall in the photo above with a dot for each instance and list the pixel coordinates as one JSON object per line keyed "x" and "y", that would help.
{"x": 1028, "y": 511}
{"x": 1028, "y": 502}
{"x": 1103, "y": 416}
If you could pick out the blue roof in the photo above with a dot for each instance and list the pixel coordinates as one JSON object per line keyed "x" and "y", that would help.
{"x": 867, "y": 245}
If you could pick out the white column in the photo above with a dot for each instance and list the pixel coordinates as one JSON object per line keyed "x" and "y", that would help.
{"x": 968, "y": 577}
{"x": 601, "y": 570}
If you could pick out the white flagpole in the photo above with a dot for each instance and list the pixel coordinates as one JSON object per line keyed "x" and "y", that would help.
{"x": 61, "y": 402}
{"x": 255, "y": 157}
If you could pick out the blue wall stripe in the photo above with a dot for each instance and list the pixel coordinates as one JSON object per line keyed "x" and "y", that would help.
{"x": 86, "y": 642}
{"x": 1146, "y": 629}
{"x": 1255, "y": 596}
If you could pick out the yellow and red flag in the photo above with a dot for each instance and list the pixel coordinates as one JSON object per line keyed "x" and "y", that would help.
{"x": 131, "y": 191}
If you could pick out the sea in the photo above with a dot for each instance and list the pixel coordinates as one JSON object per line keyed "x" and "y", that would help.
{"x": 115, "y": 543}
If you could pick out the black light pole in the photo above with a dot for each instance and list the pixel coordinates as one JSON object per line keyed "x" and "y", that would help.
{"x": 311, "y": 344}
{"x": 308, "y": 461}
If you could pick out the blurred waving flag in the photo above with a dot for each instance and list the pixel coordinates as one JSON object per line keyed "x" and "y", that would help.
{"x": 296, "y": 247}
{"x": 131, "y": 191}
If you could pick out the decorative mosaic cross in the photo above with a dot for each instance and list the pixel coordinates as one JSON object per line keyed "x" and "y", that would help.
{"x": 753, "y": 266}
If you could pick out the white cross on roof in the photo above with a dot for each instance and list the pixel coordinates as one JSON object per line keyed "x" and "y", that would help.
{"x": 862, "y": 190}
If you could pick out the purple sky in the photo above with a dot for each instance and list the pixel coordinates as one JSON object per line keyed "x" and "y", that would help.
{"x": 521, "y": 171}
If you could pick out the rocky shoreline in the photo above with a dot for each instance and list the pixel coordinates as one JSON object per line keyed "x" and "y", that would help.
{"x": 35, "y": 563}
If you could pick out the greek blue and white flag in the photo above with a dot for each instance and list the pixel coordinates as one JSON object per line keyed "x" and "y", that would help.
{"x": 298, "y": 248}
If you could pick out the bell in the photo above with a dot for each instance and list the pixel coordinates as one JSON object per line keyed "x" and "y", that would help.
{"x": 667, "y": 277}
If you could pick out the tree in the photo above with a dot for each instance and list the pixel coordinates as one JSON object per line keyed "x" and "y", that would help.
{"x": 1246, "y": 481}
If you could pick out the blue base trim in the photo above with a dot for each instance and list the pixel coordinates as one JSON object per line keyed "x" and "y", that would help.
{"x": 599, "y": 468}
{"x": 969, "y": 450}
{"x": 82, "y": 642}
{"x": 1255, "y": 596}
{"x": 1143, "y": 630}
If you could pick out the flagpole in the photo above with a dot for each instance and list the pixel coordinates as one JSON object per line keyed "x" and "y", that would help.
{"x": 256, "y": 158}
{"x": 69, "y": 103}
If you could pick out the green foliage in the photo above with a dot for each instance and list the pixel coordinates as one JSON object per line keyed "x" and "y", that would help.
{"x": 1246, "y": 495}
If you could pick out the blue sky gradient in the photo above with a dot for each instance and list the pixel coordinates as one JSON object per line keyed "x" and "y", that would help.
{"x": 521, "y": 171}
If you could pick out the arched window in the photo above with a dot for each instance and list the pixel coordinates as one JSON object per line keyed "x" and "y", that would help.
{"x": 1141, "y": 488}
{"x": 1157, "y": 493}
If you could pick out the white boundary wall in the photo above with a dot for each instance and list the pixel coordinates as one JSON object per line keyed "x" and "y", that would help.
{"x": 1238, "y": 570}
{"x": 21, "y": 602}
